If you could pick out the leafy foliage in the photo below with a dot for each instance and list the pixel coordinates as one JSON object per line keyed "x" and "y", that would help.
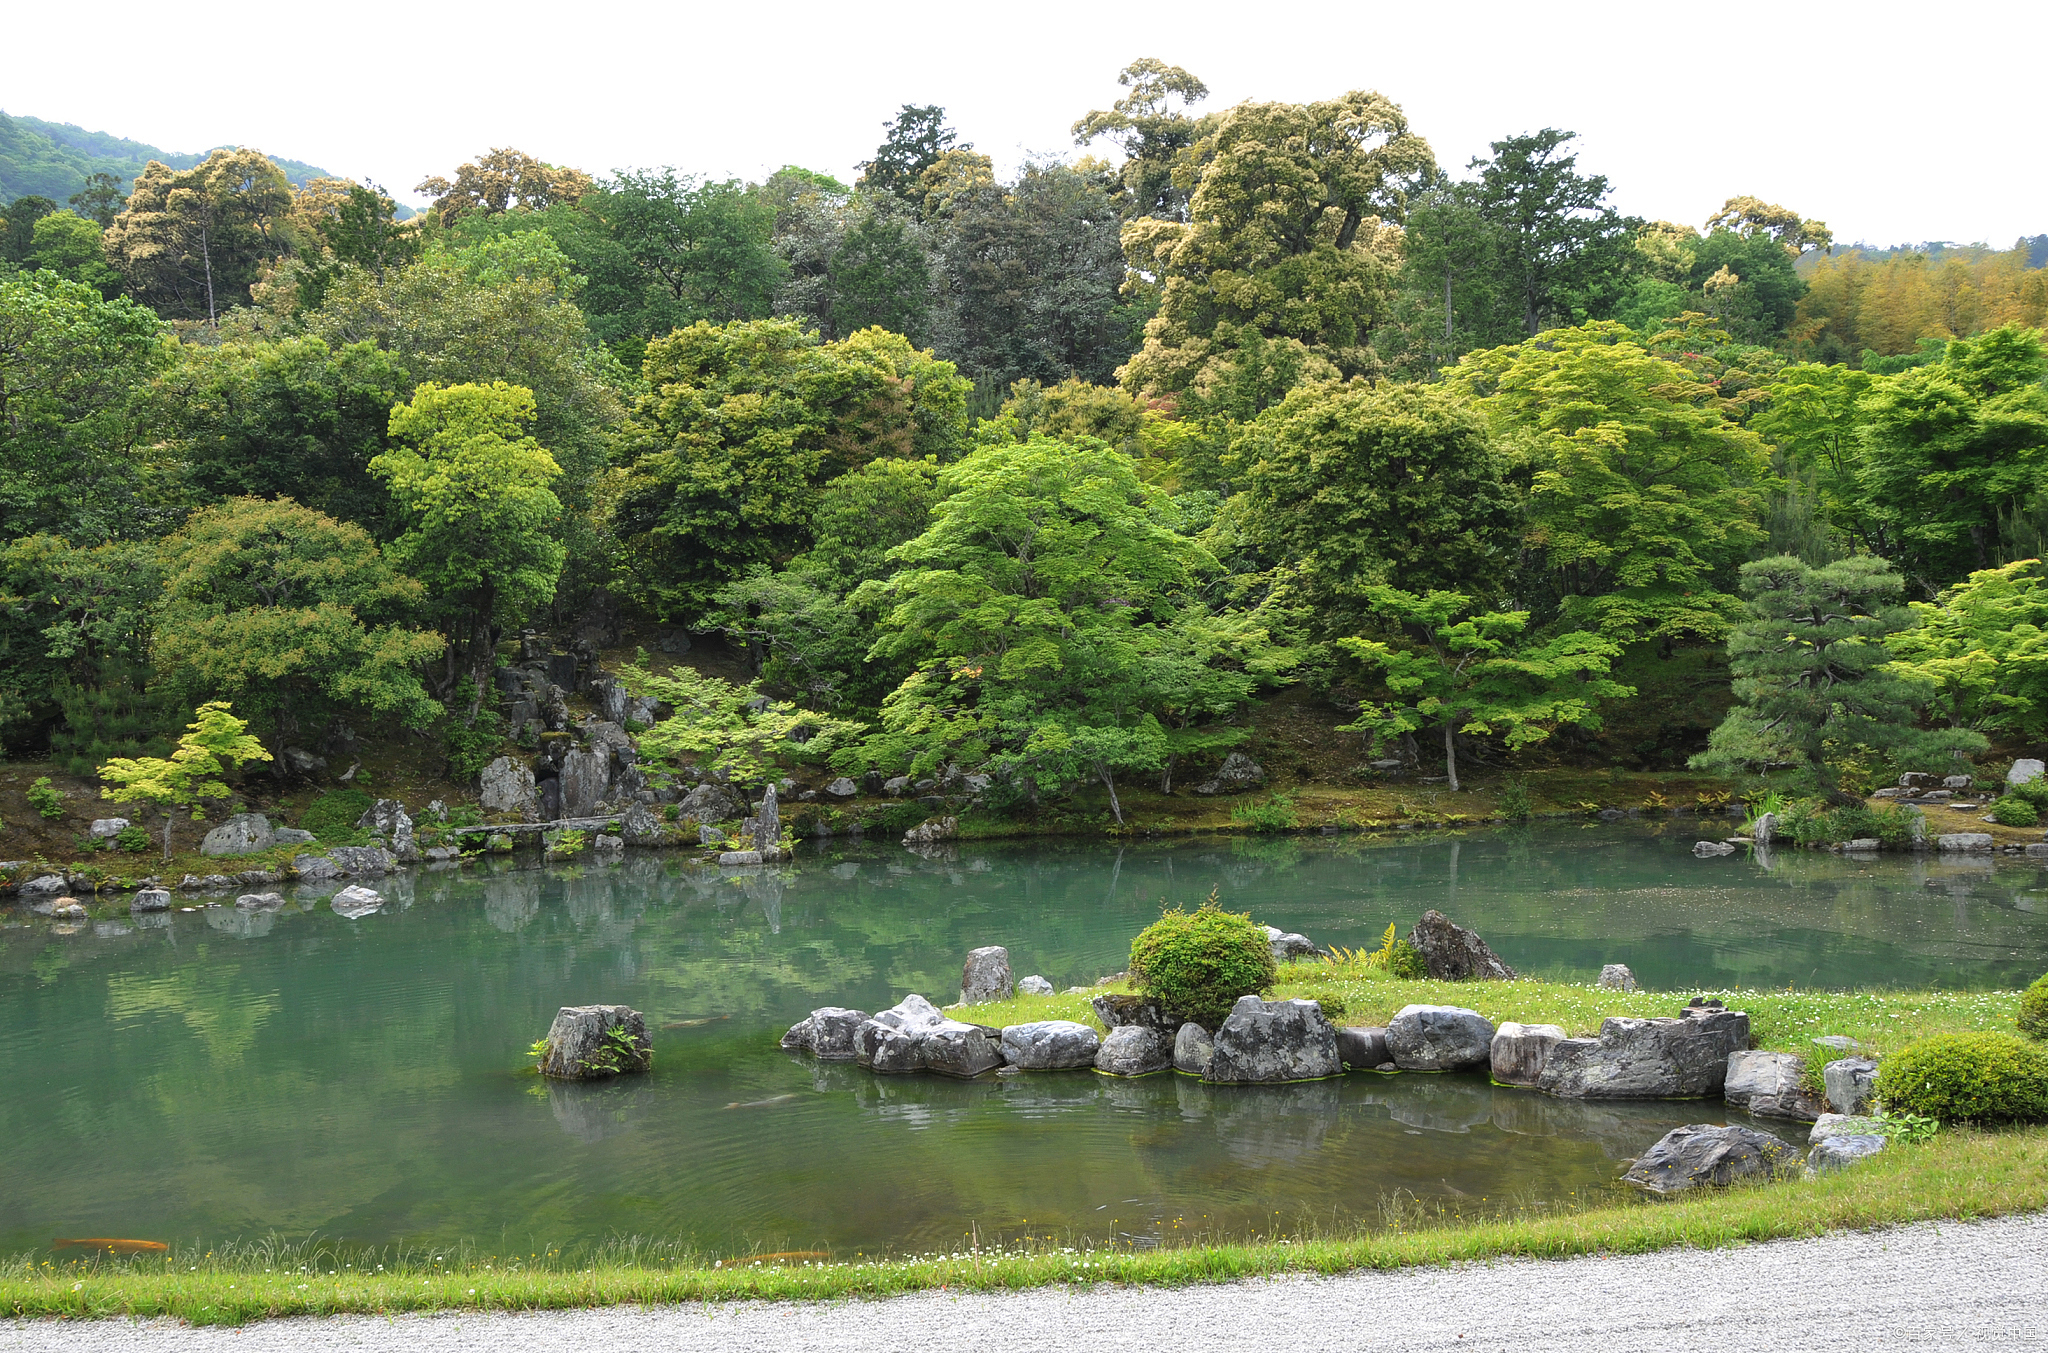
{"x": 1982, "y": 1077}
{"x": 333, "y": 816}
{"x": 1197, "y": 964}
{"x": 45, "y": 798}
{"x": 191, "y": 774}
{"x": 1983, "y": 648}
{"x": 2013, "y": 811}
{"x": 2033, "y": 1012}
{"x": 732, "y": 729}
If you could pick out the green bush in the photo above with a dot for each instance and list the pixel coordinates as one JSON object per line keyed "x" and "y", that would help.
{"x": 132, "y": 839}
{"x": 332, "y": 817}
{"x": 1812, "y": 822}
{"x": 1512, "y": 799}
{"x": 46, "y": 799}
{"x": 2033, "y": 791}
{"x": 2014, "y": 811}
{"x": 2034, "y": 1009}
{"x": 1198, "y": 963}
{"x": 1276, "y": 814}
{"x": 1967, "y": 1078}
{"x": 472, "y": 748}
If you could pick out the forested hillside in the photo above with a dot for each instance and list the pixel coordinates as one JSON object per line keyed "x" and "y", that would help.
{"x": 1053, "y": 478}
{"x": 56, "y": 159}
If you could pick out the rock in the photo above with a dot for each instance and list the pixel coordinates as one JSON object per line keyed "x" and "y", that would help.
{"x": 1194, "y": 1050}
{"x": 1851, "y": 1083}
{"x": 986, "y": 975}
{"x": 1862, "y": 845}
{"x": 388, "y": 821}
{"x": 1918, "y": 780}
{"x": 975, "y": 782}
{"x": 1835, "y": 1042}
{"x": 962, "y": 1050}
{"x": 1134, "y": 1050}
{"x": 1455, "y": 954}
{"x": 896, "y": 786}
{"x": 1617, "y": 977}
{"x": 606, "y": 844}
{"x": 932, "y": 831}
{"x": 2036, "y": 850}
{"x": 356, "y": 901}
{"x": 105, "y": 827}
{"x": 582, "y": 1044}
{"x": 585, "y": 774}
{"x": 443, "y": 854}
{"x": 303, "y": 763}
{"x": 499, "y": 843}
{"x": 60, "y": 909}
{"x": 1362, "y": 1048}
{"x": 642, "y": 826}
{"x": 768, "y": 822}
{"x": 293, "y": 836}
{"x": 363, "y": 861}
{"x": 826, "y": 1033}
{"x": 193, "y": 883}
{"x": 1439, "y": 1038}
{"x": 1839, "y": 1152}
{"x": 842, "y": 788}
{"x": 1519, "y": 1052}
{"x": 1237, "y": 773}
{"x": 708, "y": 835}
{"x": 1707, "y": 850}
{"x": 708, "y": 802}
{"x": 312, "y": 868}
{"x": 508, "y": 788}
{"x": 1703, "y": 1154}
{"x": 260, "y": 901}
{"x": 1287, "y": 947}
{"x": 151, "y": 899}
{"x": 1033, "y": 985}
{"x": 44, "y": 886}
{"x": 1767, "y": 1085}
{"x": 740, "y": 857}
{"x": 887, "y": 1041}
{"x": 242, "y": 834}
{"x": 1682, "y": 1058}
{"x": 1765, "y": 830}
{"x": 1050, "y": 1045}
{"x": 1117, "y": 1012}
{"x": 1958, "y": 783}
{"x": 1963, "y": 842}
{"x": 1265, "y": 1042}
{"x": 2025, "y": 771}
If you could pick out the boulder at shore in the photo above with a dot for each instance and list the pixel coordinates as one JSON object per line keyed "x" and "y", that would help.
{"x": 1704, "y": 1154}
{"x": 1439, "y": 1038}
{"x": 1268, "y": 1042}
{"x": 1455, "y": 954}
{"x": 1051, "y": 1045}
{"x": 1134, "y": 1050}
{"x": 1767, "y": 1084}
{"x": 592, "y": 1042}
{"x": 826, "y": 1033}
{"x": 1520, "y": 1052}
{"x": 1682, "y": 1058}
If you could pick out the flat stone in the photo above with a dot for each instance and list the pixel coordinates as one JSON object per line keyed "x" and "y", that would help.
{"x": 1708, "y": 849}
{"x": 961, "y": 1050}
{"x": 827, "y": 1033}
{"x": 581, "y": 1044}
{"x": 1439, "y": 1038}
{"x": 740, "y": 857}
{"x": 1455, "y": 954}
{"x": 1134, "y": 1050}
{"x": 1766, "y": 1084}
{"x": 1194, "y": 1049}
{"x": 1841, "y": 1125}
{"x": 1835, "y": 1042}
{"x": 1839, "y": 1152}
{"x": 1851, "y": 1083}
{"x": 1116, "y": 1011}
{"x": 1034, "y": 985}
{"x": 1265, "y": 1042}
{"x": 1519, "y": 1052}
{"x": 1360, "y": 1047}
{"x": 356, "y": 901}
{"x": 1963, "y": 842}
{"x": 242, "y": 834}
{"x": 1617, "y": 977}
{"x": 1702, "y": 1154}
{"x": 1287, "y": 946}
{"x": 313, "y": 868}
{"x": 986, "y": 975}
{"x": 293, "y": 836}
{"x": 1051, "y": 1045}
{"x": 43, "y": 885}
{"x": 260, "y": 901}
{"x": 104, "y": 827}
{"x": 362, "y": 861}
{"x": 151, "y": 899}
{"x": 1682, "y": 1058}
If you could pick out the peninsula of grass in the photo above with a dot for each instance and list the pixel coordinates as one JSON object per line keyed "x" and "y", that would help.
{"x": 1960, "y": 1175}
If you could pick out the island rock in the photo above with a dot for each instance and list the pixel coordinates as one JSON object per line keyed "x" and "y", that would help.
{"x": 954, "y": 1048}
{"x": 1703, "y": 1154}
{"x": 1439, "y": 1038}
{"x": 355, "y": 901}
{"x": 826, "y": 1032}
{"x": 1051, "y": 1045}
{"x": 592, "y": 1042}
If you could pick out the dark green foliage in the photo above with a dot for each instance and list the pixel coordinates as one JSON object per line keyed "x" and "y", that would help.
{"x": 1811, "y": 822}
{"x": 18, "y": 226}
{"x": 332, "y": 817}
{"x": 474, "y": 745}
{"x": 2013, "y": 811}
{"x": 1196, "y": 964}
{"x": 1557, "y": 251}
{"x": 881, "y": 275}
{"x": 120, "y": 716}
{"x": 2033, "y": 1014}
{"x": 1276, "y": 814}
{"x": 132, "y": 839}
{"x": 917, "y": 137}
{"x": 1984, "y": 1077}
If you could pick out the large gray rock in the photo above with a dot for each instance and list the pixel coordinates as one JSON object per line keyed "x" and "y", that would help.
{"x": 508, "y": 788}
{"x": 1707, "y": 850}
{"x": 359, "y": 861}
{"x": 293, "y": 836}
{"x": 387, "y": 820}
{"x": 1682, "y": 1058}
{"x": 151, "y": 899}
{"x": 355, "y": 902}
{"x": 1519, "y": 1052}
{"x": 242, "y": 834}
{"x": 768, "y": 822}
{"x": 1702, "y": 1154}
{"x": 1767, "y": 1085}
{"x": 986, "y": 975}
{"x": 1841, "y": 1125}
{"x": 1194, "y": 1049}
{"x": 826, "y": 1033}
{"x": 1617, "y": 977}
{"x": 1115, "y": 1011}
{"x": 842, "y": 788}
{"x": 1134, "y": 1050}
{"x": 1051, "y": 1045}
{"x": 1265, "y": 1042}
{"x": 1439, "y": 1038}
{"x": 582, "y": 1044}
{"x": 888, "y": 1041}
{"x": 932, "y": 831}
{"x": 1455, "y": 954}
{"x": 44, "y": 885}
{"x": 260, "y": 901}
{"x": 1765, "y": 830}
{"x": 1287, "y": 946}
{"x": 1840, "y": 1151}
{"x": 642, "y": 826}
{"x": 1034, "y": 985}
{"x": 1967, "y": 843}
{"x": 586, "y": 773}
{"x": 1237, "y": 774}
{"x": 314, "y": 868}
{"x": 105, "y": 827}
{"x": 955, "y": 1048}
{"x": 1362, "y": 1048}
{"x": 1851, "y": 1083}
{"x": 2025, "y": 771}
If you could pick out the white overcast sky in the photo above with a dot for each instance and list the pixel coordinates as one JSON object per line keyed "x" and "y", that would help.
{"x": 1892, "y": 123}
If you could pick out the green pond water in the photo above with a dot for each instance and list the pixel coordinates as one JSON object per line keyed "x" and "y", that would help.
{"x": 215, "y": 1076}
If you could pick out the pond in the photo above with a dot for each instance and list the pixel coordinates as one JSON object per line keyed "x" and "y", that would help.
{"x": 217, "y": 1076}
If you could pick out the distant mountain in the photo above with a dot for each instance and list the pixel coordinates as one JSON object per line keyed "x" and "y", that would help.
{"x": 2035, "y": 245}
{"x": 53, "y": 158}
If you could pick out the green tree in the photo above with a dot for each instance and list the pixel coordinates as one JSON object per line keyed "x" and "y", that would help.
{"x": 1555, "y": 239}
{"x": 703, "y": 248}
{"x": 100, "y": 200}
{"x": 740, "y": 427}
{"x": 191, "y": 241}
{"x": 191, "y": 774}
{"x": 732, "y": 729}
{"x": 293, "y": 614}
{"x": 69, "y": 245}
{"x": 1982, "y": 646}
{"x": 880, "y": 275}
{"x": 74, "y": 625}
{"x": 1290, "y": 236}
{"x": 1949, "y": 449}
{"x": 1645, "y": 492}
{"x": 917, "y": 137}
{"x": 349, "y": 225}
{"x": 18, "y": 226}
{"x": 481, "y": 515}
{"x": 1474, "y": 673}
{"x": 1813, "y": 675}
{"x": 504, "y": 180}
{"x": 1158, "y": 140}
{"x": 1357, "y": 487}
{"x": 1813, "y": 415}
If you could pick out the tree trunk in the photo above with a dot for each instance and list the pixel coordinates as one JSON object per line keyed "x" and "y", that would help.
{"x": 1109, "y": 783}
{"x": 167, "y": 836}
{"x": 206, "y": 257}
{"x": 1447, "y": 308}
{"x": 1166, "y": 777}
{"x": 1451, "y": 750}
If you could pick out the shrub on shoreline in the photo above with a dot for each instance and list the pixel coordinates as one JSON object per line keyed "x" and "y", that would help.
{"x": 1199, "y": 963}
{"x": 1984, "y": 1077}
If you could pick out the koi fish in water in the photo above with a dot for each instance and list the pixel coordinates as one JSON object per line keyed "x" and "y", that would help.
{"x": 694, "y": 1023}
{"x": 115, "y": 1246}
{"x": 765, "y": 1103}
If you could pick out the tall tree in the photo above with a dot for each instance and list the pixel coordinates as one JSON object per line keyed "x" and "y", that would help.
{"x": 70, "y": 245}
{"x": 1157, "y": 139}
{"x": 1983, "y": 646}
{"x": 100, "y": 199}
{"x": 917, "y": 137}
{"x": 504, "y": 180}
{"x": 1555, "y": 237}
{"x": 702, "y": 246}
{"x": 18, "y": 226}
{"x": 191, "y": 241}
{"x": 190, "y": 775}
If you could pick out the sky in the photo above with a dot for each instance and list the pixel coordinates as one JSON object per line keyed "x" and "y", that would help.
{"x": 1891, "y": 124}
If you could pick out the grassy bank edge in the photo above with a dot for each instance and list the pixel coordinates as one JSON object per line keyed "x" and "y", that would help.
{"x": 1962, "y": 1175}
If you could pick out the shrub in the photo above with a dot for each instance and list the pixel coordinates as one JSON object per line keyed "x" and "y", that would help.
{"x": 2034, "y": 1009}
{"x": 46, "y": 799}
{"x": 332, "y": 817}
{"x": 132, "y": 839}
{"x": 1513, "y": 800}
{"x": 1198, "y": 963}
{"x": 471, "y": 748}
{"x": 1967, "y": 1078}
{"x": 1398, "y": 958}
{"x": 2033, "y": 791}
{"x": 1812, "y": 822}
{"x": 1276, "y": 814}
{"x": 2014, "y": 811}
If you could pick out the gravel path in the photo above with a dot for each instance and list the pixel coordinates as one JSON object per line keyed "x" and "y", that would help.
{"x": 1977, "y": 1286}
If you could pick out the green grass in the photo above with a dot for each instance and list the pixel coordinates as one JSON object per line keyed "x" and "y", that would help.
{"x": 1959, "y": 1175}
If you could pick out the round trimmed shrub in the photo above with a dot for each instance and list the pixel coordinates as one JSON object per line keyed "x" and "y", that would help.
{"x": 2033, "y": 1019}
{"x": 1967, "y": 1078}
{"x": 2013, "y": 811}
{"x": 1196, "y": 964}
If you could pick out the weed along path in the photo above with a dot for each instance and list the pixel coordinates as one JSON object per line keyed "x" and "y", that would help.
{"x": 1933, "y": 1285}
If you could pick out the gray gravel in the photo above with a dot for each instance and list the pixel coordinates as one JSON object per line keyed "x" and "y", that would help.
{"x": 1950, "y": 1285}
